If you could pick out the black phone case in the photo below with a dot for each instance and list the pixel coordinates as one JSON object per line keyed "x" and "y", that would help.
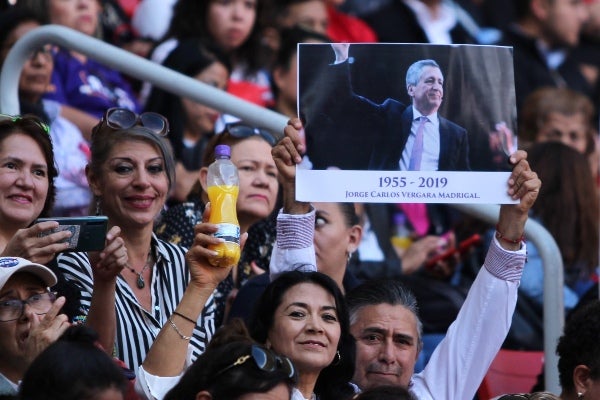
{"x": 88, "y": 233}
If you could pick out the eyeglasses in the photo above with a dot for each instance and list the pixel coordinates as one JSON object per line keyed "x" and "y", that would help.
{"x": 11, "y": 310}
{"x": 122, "y": 118}
{"x": 44, "y": 51}
{"x": 265, "y": 360}
{"x": 18, "y": 119}
{"x": 239, "y": 130}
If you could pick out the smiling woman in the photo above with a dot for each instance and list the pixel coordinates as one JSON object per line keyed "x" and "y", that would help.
{"x": 135, "y": 285}
{"x": 303, "y": 316}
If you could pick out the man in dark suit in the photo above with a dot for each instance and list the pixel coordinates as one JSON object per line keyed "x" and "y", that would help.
{"x": 391, "y": 135}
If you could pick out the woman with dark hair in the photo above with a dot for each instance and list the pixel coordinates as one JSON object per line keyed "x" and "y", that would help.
{"x": 568, "y": 208}
{"x": 579, "y": 354}
{"x": 73, "y": 368}
{"x": 303, "y": 315}
{"x": 191, "y": 123}
{"x": 27, "y": 173}
{"x": 233, "y": 26}
{"x": 70, "y": 148}
{"x": 236, "y": 367}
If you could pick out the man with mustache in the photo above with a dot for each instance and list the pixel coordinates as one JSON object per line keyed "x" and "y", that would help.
{"x": 394, "y": 135}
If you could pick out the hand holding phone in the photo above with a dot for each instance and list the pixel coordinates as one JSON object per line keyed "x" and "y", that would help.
{"x": 463, "y": 247}
{"x": 87, "y": 233}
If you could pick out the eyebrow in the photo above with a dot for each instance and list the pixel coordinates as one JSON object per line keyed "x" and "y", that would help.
{"x": 129, "y": 159}
{"x": 408, "y": 338}
{"x": 22, "y": 162}
{"x": 304, "y": 305}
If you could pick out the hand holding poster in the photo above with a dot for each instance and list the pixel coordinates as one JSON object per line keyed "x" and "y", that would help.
{"x": 383, "y": 124}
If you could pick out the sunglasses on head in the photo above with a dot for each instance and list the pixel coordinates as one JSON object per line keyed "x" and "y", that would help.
{"x": 240, "y": 131}
{"x": 122, "y": 118}
{"x": 28, "y": 119}
{"x": 265, "y": 360}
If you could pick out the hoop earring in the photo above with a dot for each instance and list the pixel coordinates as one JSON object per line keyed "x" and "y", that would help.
{"x": 98, "y": 206}
{"x": 337, "y": 359}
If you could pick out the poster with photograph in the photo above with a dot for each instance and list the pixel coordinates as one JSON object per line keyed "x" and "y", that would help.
{"x": 406, "y": 123}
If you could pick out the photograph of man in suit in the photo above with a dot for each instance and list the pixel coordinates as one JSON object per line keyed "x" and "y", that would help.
{"x": 392, "y": 135}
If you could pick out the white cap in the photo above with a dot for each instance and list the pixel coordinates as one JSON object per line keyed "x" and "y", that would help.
{"x": 11, "y": 265}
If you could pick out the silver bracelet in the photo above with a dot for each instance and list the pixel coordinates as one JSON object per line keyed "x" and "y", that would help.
{"x": 181, "y": 335}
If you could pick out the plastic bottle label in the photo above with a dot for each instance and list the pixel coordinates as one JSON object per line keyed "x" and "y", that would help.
{"x": 228, "y": 232}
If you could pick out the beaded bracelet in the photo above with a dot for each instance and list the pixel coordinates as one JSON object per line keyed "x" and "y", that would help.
{"x": 184, "y": 317}
{"x": 181, "y": 335}
{"x": 500, "y": 236}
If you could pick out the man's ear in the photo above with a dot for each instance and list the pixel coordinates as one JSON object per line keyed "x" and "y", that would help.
{"x": 581, "y": 378}
{"x": 92, "y": 181}
{"x": 203, "y": 395}
{"x": 203, "y": 178}
{"x": 410, "y": 89}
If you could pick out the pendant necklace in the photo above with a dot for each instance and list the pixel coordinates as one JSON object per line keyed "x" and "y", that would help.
{"x": 140, "y": 282}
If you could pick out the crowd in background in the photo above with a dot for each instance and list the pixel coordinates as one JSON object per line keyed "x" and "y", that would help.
{"x": 109, "y": 144}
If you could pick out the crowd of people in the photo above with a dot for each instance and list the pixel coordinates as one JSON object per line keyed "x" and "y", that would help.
{"x": 323, "y": 304}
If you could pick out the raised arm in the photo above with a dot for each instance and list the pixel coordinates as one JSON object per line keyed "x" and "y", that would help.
{"x": 462, "y": 359}
{"x": 294, "y": 247}
{"x": 167, "y": 357}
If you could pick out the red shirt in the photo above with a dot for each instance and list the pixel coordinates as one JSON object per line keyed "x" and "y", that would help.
{"x": 345, "y": 28}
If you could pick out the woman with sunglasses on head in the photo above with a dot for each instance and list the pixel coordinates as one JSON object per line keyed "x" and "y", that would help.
{"x": 303, "y": 316}
{"x": 235, "y": 367}
{"x": 192, "y": 123}
{"x": 251, "y": 154}
{"x": 130, "y": 174}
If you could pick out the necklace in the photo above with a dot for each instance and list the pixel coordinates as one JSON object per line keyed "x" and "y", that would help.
{"x": 140, "y": 282}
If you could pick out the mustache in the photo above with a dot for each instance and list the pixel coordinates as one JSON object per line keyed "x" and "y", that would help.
{"x": 382, "y": 369}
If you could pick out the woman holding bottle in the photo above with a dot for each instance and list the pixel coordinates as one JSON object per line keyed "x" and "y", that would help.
{"x": 258, "y": 188}
{"x": 130, "y": 173}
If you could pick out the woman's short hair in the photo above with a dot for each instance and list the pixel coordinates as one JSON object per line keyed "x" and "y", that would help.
{"x": 213, "y": 371}
{"x": 104, "y": 139}
{"x": 334, "y": 378}
{"x": 72, "y": 368}
{"x": 32, "y": 126}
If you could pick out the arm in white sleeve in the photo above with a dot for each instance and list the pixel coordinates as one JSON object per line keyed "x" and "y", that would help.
{"x": 294, "y": 248}
{"x": 460, "y": 362}
{"x": 154, "y": 387}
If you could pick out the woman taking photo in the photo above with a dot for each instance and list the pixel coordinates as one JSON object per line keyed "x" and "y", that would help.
{"x": 130, "y": 174}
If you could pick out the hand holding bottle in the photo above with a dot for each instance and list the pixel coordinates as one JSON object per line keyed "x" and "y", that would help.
{"x": 223, "y": 189}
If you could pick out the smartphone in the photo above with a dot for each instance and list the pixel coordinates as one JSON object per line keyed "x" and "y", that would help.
{"x": 87, "y": 233}
{"x": 463, "y": 247}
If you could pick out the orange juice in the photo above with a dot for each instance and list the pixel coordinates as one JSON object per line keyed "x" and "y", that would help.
{"x": 223, "y": 200}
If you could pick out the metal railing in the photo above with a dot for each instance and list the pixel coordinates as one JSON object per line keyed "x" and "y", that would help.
{"x": 174, "y": 82}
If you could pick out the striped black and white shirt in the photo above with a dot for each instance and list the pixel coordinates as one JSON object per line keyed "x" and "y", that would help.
{"x": 137, "y": 328}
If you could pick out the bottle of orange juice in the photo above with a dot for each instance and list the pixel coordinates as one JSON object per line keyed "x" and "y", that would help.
{"x": 223, "y": 189}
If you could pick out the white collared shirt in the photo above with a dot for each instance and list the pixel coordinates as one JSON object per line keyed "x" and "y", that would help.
{"x": 436, "y": 29}
{"x": 431, "y": 143}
